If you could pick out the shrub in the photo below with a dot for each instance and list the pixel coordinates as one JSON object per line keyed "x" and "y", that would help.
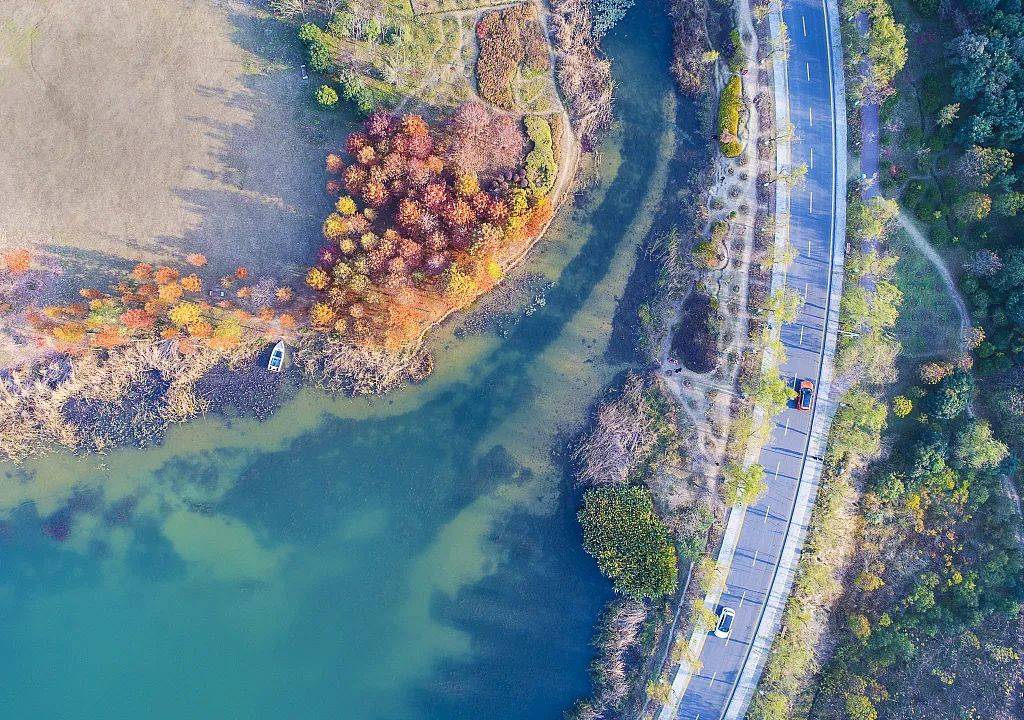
{"x": 17, "y": 261}
{"x": 629, "y": 542}
{"x": 541, "y": 168}
{"x": 730, "y": 104}
{"x": 509, "y": 39}
{"x": 367, "y": 98}
{"x": 326, "y": 96}
{"x": 318, "y": 56}
{"x": 901, "y": 406}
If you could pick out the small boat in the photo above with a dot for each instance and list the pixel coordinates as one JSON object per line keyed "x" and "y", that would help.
{"x": 276, "y": 358}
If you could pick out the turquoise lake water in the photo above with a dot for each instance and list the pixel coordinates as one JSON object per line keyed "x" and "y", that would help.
{"x": 412, "y": 557}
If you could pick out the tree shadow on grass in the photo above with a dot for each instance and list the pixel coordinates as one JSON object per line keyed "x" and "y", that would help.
{"x": 265, "y": 202}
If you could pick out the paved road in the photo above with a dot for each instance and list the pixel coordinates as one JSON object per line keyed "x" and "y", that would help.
{"x": 785, "y": 458}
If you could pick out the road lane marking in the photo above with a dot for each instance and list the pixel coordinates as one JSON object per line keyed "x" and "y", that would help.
{"x": 785, "y": 430}
{"x": 801, "y": 343}
{"x": 811, "y": 159}
{"x": 806, "y": 285}
{"x": 742, "y": 598}
{"x": 754, "y": 561}
{"x": 767, "y": 510}
{"x": 810, "y": 202}
{"x": 713, "y": 676}
{"x": 807, "y": 67}
{"x": 803, "y": 21}
{"x": 810, "y": 116}
{"x": 777, "y": 466}
{"x": 808, "y": 246}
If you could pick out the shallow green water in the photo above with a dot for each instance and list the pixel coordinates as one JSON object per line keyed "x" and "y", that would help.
{"x": 410, "y": 557}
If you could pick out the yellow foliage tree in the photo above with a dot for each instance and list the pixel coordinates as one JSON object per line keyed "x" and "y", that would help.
{"x": 467, "y": 185}
{"x": 346, "y": 206}
{"x": 321, "y": 314}
{"x": 69, "y": 333}
{"x": 184, "y": 314}
{"x": 317, "y": 278}
{"x": 335, "y": 227}
{"x": 457, "y": 284}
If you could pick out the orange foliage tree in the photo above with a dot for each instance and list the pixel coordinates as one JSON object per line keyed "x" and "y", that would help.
{"x": 17, "y": 261}
{"x": 414, "y": 236}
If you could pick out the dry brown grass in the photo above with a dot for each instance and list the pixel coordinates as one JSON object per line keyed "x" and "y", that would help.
{"x": 340, "y": 366}
{"x": 33, "y": 399}
{"x": 623, "y": 433}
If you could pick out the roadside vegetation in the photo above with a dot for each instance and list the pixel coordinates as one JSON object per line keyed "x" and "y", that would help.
{"x": 635, "y": 530}
{"x": 730, "y": 102}
{"x": 925, "y": 602}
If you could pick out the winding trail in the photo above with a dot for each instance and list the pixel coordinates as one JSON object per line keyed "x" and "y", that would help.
{"x": 926, "y": 248}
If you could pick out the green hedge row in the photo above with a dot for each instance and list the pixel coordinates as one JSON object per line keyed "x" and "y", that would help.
{"x": 730, "y": 103}
{"x": 541, "y": 168}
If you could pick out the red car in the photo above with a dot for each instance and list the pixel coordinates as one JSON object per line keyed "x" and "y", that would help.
{"x": 805, "y": 393}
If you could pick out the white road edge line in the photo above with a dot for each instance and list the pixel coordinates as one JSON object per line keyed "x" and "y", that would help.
{"x": 803, "y": 21}
{"x": 810, "y": 116}
{"x": 807, "y": 67}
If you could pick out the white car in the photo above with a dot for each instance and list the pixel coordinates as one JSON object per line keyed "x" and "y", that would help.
{"x": 726, "y": 615}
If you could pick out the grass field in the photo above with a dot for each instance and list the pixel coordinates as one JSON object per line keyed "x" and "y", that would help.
{"x": 928, "y": 323}
{"x": 150, "y": 129}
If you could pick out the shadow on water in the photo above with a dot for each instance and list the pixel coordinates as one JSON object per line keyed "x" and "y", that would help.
{"x": 690, "y": 155}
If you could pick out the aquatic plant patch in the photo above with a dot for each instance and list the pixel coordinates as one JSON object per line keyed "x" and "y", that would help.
{"x": 628, "y": 540}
